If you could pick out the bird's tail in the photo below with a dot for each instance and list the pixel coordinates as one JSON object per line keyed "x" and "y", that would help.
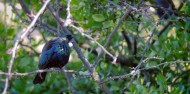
{"x": 40, "y": 78}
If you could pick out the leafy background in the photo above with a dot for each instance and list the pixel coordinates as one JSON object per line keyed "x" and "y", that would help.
{"x": 98, "y": 18}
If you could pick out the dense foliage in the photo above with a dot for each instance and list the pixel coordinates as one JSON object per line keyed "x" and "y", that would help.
{"x": 161, "y": 45}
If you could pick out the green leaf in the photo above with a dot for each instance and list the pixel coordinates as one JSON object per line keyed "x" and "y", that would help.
{"x": 155, "y": 37}
{"x": 114, "y": 88}
{"x": 160, "y": 79}
{"x": 175, "y": 44}
{"x": 107, "y": 24}
{"x": 187, "y": 25}
{"x": 141, "y": 89}
{"x": 98, "y": 17}
{"x": 103, "y": 65}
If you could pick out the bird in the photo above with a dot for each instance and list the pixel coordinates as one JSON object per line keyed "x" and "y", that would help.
{"x": 55, "y": 54}
{"x": 164, "y": 10}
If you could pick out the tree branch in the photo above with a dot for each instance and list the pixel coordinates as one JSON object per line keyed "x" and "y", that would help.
{"x": 39, "y": 23}
{"x": 79, "y": 52}
{"x": 124, "y": 61}
{"x": 16, "y": 44}
{"x": 40, "y": 71}
{"x": 166, "y": 26}
{"x": 128, "y": 41}
{"x": 110, "y": 36}
{"x": 115, "y": 30}
{"x": 68, "y": 76}
{"x": 92, "y": 39}
{"x": 147, "y": 68}
{"x": 30, "y": 48}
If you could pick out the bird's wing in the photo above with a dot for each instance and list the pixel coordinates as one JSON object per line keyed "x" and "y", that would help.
{"x": 49, "y": 44}
{"x": 47, "y": 52}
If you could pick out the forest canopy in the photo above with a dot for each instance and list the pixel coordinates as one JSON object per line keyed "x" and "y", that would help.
{"x": 119, "y": 46}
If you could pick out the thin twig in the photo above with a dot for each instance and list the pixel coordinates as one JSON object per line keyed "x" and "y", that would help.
{"x": 16, "y": 44}
{"x": 113, "y": 31}
{"x": 38, "y": 23}
{"x": 30, "y": 48}
{"x": 111, "y": 2}
{"x": 68, "y": 76}
{"x": 152, "y": 58}
{"x": 40, "y": 71}
{"x": 147, "y": 68}
{"x": 10, "y": 66}
{"x": 161, "y": 31}
{"x": 147, "y": 47}
{"x": 89, "y": 37}
{"x": 120, "y": 59}
{"x": 35, "y": 19}
{"x": 144, "y": 51}
{"x": 68, "y": 19}
{"x": 57, "y": 14}
{"x": 26, "y": 10}
{"x": 16, "y": 12}
{"x": 110, "y": 36}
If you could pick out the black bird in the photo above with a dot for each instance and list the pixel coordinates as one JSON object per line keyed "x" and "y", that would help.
{"x": 165, "y": 9}
{"x": 55, "y": 53}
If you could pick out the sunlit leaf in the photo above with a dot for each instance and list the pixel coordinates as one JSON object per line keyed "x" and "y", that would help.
{"x": 98, "y": 17}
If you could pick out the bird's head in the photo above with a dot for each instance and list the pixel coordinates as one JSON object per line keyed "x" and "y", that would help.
{"x": 67, "y": 38}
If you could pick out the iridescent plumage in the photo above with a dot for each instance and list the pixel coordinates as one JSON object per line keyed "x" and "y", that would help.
{"x": 55, "y": 53}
